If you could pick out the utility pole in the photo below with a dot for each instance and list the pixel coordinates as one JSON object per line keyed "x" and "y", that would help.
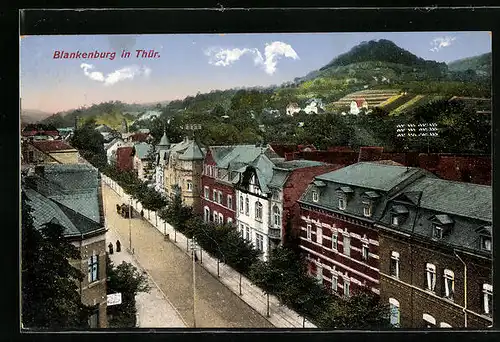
{"x": 130, "y": 224}
{"x": 194, "y": 247}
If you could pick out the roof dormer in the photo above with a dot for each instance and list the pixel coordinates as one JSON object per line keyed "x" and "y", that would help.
{"x": 484, "y": 238}
{"x": 441, "y": 225}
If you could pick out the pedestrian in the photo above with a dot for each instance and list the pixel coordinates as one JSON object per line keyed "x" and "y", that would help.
{"x": 110, "y": 246}
{"x": 142, "y": 213}
{"x": 118, "y": 246}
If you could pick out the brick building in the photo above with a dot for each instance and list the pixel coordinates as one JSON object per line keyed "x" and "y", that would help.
{"x": 125, "y": 158}
{"x": 218, "y": 198}
{"x": 435, "y": 255}
{"x": 71, "y": 196}
{"x": 338, "y": 212}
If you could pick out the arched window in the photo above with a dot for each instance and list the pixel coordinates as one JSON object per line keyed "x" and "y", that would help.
{"x": 247, "y": 206}
{"x": 277, "y": 216}
{"x": 258, "y": 211}
{"x": 395, "y": 314}
{"x": 429, "y": 321}
{"x": 241, "y": 203}
{"x": 207, "y": 214}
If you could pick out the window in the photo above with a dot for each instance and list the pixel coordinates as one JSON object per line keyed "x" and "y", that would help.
{"x": 276, "y": 195}
{"x": 259, "y": 239}
{"x": 248, "y": 236}
{"x": 487, "y": 298}
{"x": 230, "y": 201}
{"x": 364, "y": 251}
{"x": 241, "y": 203}
{"x": 367, "y": 209}
{"x": 449, "y": 284}
{"x": 335, "y": 280}
{"x": 395, "y": 265}
{"x": 319, "y": 273}
{"x": 395, "y": 220}
{"x": 219, "y": 200}
{"x": 94, "y": 319}
{"x": 221, "y": 218}
{"x": 335, "y": 241}
{"x": 207, "y": 214}
{"x": 207, "y": 192}
{"x": 437, "y": 232}
{"x": 431, "y": 276}
{"x": 93, "y": 262}
{"x": 485, "y": 243}
{"x": 342, "y": 203}
{"x": 395, "y": 314}
{"x": 258, "y": 211}
{"x": 347, "y": 245}
{"x": 247, "y": 206}
{"x": 214, "y": 195}
{"x": 347, "y": 284}
{"x": 429, "y": 321}
{"x": 242, "y": 230}
{"x": 189, "y": 185}
{"x": 216, "y": 217}
{"x": 277, "y": 216}
{"x": 229, "y": 220}
{"x": 315, "y": 196}
{"x": 308, "y": 231}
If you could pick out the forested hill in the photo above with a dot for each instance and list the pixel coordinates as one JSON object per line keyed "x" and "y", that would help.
{"x": 479, "y": 64}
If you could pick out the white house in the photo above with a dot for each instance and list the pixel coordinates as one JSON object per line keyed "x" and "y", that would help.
{"x": 313, "y": 106}
{"x": 292, "y": 108}
{"x": 252, "y": 203}
{"x": 111, "y": 148}
{"x": 357, "y": 105}
{"x": 141, "y": 159}
{"x": 162, "y": 156}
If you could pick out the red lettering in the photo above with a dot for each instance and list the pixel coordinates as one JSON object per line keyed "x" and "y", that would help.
{"x": 57, "y": 54}
{"x": 84, "y": 55}
{"x": 138, "y": 53}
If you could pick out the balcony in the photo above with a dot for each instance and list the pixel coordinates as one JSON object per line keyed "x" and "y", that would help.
{"x": 274, "y": 233}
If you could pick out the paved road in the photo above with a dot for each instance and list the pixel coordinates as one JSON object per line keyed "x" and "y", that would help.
{"x": 153, "y": 308}
{"x": 171, "y": 269}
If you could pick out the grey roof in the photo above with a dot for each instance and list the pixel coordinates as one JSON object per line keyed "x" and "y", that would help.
{"x": 464, "y": 199}
{"x": 72, "y": 185}
{"x": 443, "y": 219}
{"x": 319, "y": 183}
{"x": 370, "y": 175}
{"x": 142, "y": 149}
{"x": 297, "y": 164}
{"x": 371, "y": 194}
{"x": 164, "y": 142}
{"x": 192, "y": 152}
{"x": 264, "y": 170}
{"x": 399, "y": 209}
{"x": 346, "y": 189}
{"x": 226, "y": 156}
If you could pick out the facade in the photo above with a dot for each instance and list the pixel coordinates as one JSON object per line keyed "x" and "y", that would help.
{"x": 337, "y": 233}
{"x": 71, "y": 196}
{"x": 49, "y": 151}
{"x": 125, "y": 158}
{"x": 218, "y": 198}
{"x": 313, "y": 106}
{"x": 435, "y": 255}
{"x": 357, "y": 105}
{"x": 182, "y": 172}
{"x": 141, "y": 159}
{"x": 111, "y": 148}
{"x": 292, "y": 108}
{"x": 162, "y": 157}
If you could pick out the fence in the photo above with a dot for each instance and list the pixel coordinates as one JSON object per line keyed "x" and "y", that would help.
{"x": 279, "y": 315}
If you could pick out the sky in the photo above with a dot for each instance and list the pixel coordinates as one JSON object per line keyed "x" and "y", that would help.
{"x": 189, "y": 63}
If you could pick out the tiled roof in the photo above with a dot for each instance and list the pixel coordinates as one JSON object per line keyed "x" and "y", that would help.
{"x": 370, "y": 175}
{"x": 164, "y": 142}
{"x": 52, "y": 145}
{"x": 192, "y": 152}
{"x": 141, "y": 137}
{"x": 142, "y": 149}
{"x": 463, "y": 199}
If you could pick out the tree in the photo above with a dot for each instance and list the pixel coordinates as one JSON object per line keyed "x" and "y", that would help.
{"x": 50, "y": 298}
{"x": 127, "y": 280}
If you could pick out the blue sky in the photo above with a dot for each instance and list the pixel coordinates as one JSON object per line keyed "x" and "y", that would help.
{"x": 199, "y": 63}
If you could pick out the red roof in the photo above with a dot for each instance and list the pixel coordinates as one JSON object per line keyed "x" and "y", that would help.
{"x": 52, "y": 145}
{"x": 139, "y": 137}
{"x": 359, "y": 102}
{"x": 124, "y": 158}
{"x": 32, "y": 133}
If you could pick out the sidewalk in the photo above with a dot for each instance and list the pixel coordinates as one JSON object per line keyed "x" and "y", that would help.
{"x": 280, "y": 315}
{"x": 153, "y": 308}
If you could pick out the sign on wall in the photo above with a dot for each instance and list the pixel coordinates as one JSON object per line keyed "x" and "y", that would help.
{"x": 114, "y": 299}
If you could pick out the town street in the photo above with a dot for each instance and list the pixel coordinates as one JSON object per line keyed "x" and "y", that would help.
{"x": 171, "y": 269}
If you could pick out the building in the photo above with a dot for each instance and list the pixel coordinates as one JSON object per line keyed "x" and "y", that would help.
{"x": 337, "y": 216}
{"x": 435, "y": 255}
{"x": 292, "y": 108}
{"x": 219, "y": 170}
{"x": 125, "y": 158}
{"x": 162, "y": 157}
{"x": 357, "y": 105}
{"x": 111, "y": 147}
{"x": 314, "y": 106}
{"x": 141, "y": 160}
{"x": 71, "y": 196}
{"x": 48, "y": 151}
{"x": 182, "y": 172}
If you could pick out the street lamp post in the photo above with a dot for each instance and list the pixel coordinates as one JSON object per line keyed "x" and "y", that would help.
{"x": 130, "y": 225}
{"x": 194, "y": 247}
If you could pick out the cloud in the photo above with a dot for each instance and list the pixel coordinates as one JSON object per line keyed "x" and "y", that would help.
{"x": 272, "y": 52}
{"x": 441, "y": 42}
{"x": 116, "y": 76}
